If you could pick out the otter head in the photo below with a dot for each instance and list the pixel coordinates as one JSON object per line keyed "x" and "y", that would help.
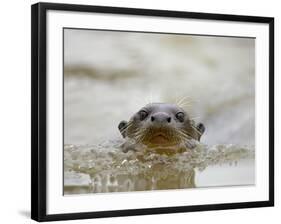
{"x": 161, "y": 124}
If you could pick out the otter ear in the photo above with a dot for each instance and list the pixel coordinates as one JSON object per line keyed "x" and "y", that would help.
{"x": 201, "y": 128}
{"x": 122, "y": 127}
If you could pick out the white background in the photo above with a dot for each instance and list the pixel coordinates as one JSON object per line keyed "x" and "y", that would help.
{"x": 15, "y": 110}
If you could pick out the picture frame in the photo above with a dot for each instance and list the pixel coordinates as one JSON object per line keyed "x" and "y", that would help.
{"x": 42, "y": 23}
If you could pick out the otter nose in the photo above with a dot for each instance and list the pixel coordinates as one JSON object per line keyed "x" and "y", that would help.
{"x": 160, "y": 117}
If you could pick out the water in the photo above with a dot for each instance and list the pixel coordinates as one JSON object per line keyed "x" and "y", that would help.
{"x": 105, "y": 168}
{"x": 108, "y": 76}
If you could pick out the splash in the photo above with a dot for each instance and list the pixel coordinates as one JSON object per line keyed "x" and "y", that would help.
{"x": 105, "y": 168}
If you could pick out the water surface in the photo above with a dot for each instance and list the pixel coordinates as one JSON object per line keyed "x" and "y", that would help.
{"x": 103, "y": 168}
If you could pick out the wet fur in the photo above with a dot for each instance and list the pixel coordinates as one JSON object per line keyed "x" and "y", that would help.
{"x": 178, "y": 133}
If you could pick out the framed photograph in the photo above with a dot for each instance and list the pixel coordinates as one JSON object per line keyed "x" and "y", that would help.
{"x": 141, "y": 111}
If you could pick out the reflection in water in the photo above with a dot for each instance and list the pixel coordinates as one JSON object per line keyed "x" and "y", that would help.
{"x": 105, "y": 168}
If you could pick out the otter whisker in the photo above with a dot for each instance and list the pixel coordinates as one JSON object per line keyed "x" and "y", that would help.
{"x": 195, "y": 129}
{"x": 194, "y": 118}
{"x": 183, "y": 101}
{"x": 129, "y": 124}
{"x": 125, "y": 128}
{"x": 183, "y": 98}
{"x": 185, "y": 105}
{"x": 139, "y": 139}
{"x": 184, "y": 134}
{"x": 183, "y": 138}
{"x": 139, "y": 135}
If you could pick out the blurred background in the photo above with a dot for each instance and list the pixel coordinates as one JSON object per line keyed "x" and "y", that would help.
{"x": 109, "y": 75}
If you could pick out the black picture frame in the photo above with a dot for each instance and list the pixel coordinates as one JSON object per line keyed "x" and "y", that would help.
{"x": 39, "y": 107}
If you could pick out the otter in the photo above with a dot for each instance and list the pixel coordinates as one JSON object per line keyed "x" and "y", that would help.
{"x": 163, "y": 127}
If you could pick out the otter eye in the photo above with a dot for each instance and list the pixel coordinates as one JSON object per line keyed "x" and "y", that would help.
{"x": 143, "y": 114}
{"x": 180, "y": 116}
